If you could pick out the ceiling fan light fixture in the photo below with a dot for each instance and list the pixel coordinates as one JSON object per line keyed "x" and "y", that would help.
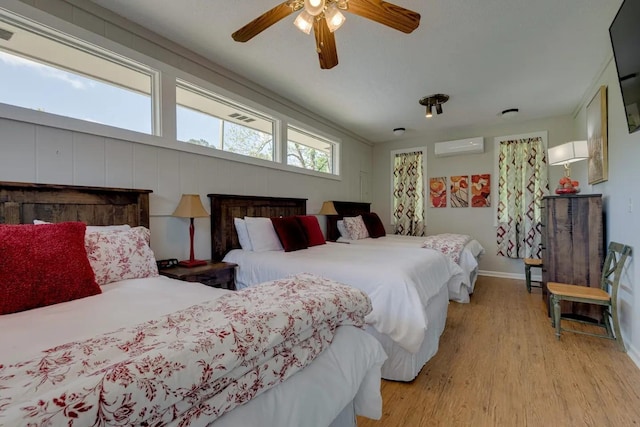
{"x": 314, "y": 7}
{"x": 439, "y": 108}
{"x": 334, "y": 17}
{"x": 304, "y": 22}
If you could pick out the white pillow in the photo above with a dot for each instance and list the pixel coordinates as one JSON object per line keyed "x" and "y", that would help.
{"x": 356, "y": 228}
{"x": 262, "y": 234}
{"x": 342, "y": 230}
{"x": 91, "y": 228}
{"x": 243, "y": 234}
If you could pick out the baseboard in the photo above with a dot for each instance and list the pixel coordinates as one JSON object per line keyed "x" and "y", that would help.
{"x": 632, "y": 352}
{"x": 534, "y": 277}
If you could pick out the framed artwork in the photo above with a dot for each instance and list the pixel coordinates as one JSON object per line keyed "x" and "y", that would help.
{"x": 481, "y": 190}
{"x": 597, "y": 137}
{"x": 438, "y": 192}
{"x": 459, "y": 191}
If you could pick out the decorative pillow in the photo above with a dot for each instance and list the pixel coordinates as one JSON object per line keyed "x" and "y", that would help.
{"x": 312, "y": 229}
{"x": 374, "y": 225}
{"x": 355, "y": 227}
{"x": 93, "y": 227}
{"x": 342, "y": 229}
{"x": 120, "y": 255}
{"x": 291, "y": 233}
{"x": 43, "y": 265}
{"x": 262, "y": 234}
{"x": 243, "y": 234}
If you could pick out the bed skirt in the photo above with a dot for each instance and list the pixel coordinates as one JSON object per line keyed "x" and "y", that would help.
{"x": 404, "y": 366}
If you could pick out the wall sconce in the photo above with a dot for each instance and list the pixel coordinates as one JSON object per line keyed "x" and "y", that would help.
{"x": 190, "y": 206}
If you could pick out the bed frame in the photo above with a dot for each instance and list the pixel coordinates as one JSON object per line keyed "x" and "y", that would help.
{"x": 226, "y": 207}
{"x": 21, "y": 203}
{"x": 344, "y": 209}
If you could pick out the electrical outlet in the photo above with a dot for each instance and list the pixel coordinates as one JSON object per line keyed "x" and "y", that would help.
{"x": 630, "y": 205}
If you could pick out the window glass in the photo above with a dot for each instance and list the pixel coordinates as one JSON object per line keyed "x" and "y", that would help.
{"x": 56, "y": 74}
{"x": 309, "y": 151}
{"x": 206, "y": 119}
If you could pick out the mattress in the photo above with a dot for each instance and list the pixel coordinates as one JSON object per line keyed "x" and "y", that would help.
{"x": 399, "y": 283}
{"x": 346, "y": 373}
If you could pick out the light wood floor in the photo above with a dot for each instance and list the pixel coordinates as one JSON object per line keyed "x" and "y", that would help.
{"x": 499, "y": 364}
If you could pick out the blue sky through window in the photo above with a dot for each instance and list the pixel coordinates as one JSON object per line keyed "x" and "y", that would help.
{"x": 30, "y": 84}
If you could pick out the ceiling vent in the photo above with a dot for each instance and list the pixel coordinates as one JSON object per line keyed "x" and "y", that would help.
{"x": 460, "y": 147}
{"x": 242, "y": 117}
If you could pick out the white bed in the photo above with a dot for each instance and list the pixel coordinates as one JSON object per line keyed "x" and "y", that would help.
{"x": 409, "y": 296}
{"x": 458, "y": 291}
{"x": 342, "y": 381}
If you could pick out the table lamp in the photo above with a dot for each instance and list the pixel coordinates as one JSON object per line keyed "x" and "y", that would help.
{"x": 328, "y": 208}
{"x": 565, "y": 154}
{"x": 191, "y": 207}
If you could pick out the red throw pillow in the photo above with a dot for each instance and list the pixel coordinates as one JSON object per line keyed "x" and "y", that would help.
{"x": 374, "y": 224}
{"x": 312, "y": 229}
{"x": 290, "y": 232}
{"x": 43, "y": 265}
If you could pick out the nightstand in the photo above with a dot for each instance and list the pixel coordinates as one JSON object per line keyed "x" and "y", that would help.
{"x": 216, "y": 274}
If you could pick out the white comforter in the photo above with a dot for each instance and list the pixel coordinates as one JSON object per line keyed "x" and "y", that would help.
{"x": 399, "y": 283}
{"x": 468, "y": 259}
{"x": 349, "y": 367}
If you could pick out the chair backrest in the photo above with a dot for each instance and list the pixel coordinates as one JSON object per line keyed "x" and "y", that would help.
{"x": 617, "y": 255}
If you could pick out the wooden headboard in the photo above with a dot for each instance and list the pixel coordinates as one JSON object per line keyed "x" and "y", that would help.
{"x": 21, "y": 203}
{"x": 226, "y": 207}
{"x": 344, "y": 209}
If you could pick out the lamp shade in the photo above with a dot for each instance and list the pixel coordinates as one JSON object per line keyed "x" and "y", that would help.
{"x": 190, "y": 206}
{"x": 328, "y": 209}
{"x": 568, "y": 152}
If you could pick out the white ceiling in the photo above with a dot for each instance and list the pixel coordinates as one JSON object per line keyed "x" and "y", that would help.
{"x": 489, "y": 55}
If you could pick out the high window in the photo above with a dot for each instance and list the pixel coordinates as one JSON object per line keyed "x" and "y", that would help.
{"x": 206, "y": 119}
{"x": 53, "y": 73}
{"x": 310, "y": 151}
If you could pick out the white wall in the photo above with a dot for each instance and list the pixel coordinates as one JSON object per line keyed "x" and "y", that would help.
{"x": 51, "y": 153}
{"x": 477, "y": 222}
{"x": 621, "y": 197}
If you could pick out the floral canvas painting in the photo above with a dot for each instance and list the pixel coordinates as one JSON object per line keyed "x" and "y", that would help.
{"x": 460, "y": 191}
{"x": 438, "y": 192}
{"x": 481, "y": 190}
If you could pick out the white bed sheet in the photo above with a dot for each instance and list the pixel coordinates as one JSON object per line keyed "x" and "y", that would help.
{"x": 348, "y": 372}
{"x": 459, "y": 291}
{"x": 400, "y": 283}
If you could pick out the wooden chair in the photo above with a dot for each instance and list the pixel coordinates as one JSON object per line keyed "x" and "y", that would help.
{"x": 528, "y": 263}
{"x": 605, "y": 296}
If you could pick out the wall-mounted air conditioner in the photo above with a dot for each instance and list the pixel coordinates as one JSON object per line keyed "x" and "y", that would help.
{"x": 460, "y": 147}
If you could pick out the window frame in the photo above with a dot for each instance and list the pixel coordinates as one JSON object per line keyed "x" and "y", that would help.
{"x": 164, "y": 102}
{"x": 303, "y": 129}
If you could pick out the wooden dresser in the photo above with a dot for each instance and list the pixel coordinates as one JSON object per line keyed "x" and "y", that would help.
{"x": 573, "y": 246}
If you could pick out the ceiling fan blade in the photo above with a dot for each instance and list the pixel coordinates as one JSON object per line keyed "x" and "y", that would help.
{"x": 388, "y": 14}
{"x": 325, "y": 44}
{"x": 263, "y": 22}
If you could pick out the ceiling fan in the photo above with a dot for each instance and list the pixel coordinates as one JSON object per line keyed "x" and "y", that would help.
{"x": 324, "y": 17}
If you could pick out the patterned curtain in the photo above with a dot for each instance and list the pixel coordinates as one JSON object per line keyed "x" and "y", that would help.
{"x": 521, "y": 185}
{"x": 408, "y": 194}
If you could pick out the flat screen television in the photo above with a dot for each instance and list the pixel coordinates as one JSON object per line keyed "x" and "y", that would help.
{"x": 625, "y": 40}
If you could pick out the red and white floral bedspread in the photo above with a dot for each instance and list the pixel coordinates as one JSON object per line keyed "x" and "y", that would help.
{"x": 448, "y": 243}
{"x": 186, "y": 368}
